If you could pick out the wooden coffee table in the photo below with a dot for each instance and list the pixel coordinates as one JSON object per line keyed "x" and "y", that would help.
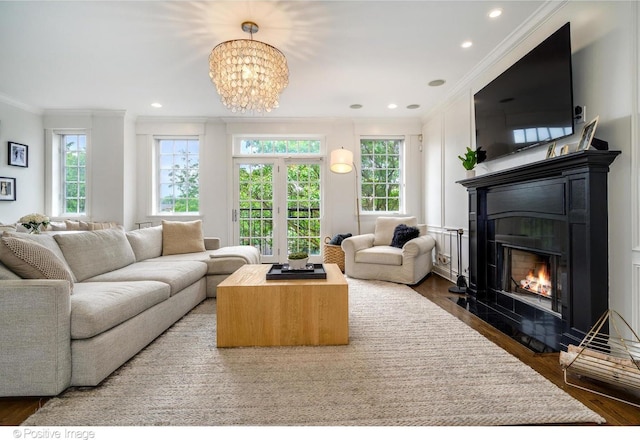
{"x": 254, "y": 311}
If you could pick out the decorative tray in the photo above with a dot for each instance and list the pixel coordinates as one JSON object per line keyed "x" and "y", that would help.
{"x": 282, "y": 272}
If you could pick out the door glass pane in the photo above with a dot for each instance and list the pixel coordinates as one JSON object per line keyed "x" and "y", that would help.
{"x": 303, "y": 208}
{"x": 255, "y": 216}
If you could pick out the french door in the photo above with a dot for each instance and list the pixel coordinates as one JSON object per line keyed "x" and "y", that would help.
{"x": 277, "y": 206}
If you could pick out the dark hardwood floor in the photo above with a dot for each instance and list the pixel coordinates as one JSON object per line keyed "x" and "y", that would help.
{"x": 14, "y": 411}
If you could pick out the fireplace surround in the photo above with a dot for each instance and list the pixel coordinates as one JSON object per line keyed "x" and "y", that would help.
{"x": 538, "y": 245}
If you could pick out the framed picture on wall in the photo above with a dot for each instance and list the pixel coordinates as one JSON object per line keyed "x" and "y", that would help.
{"x": 18, "y": 155}
{"x": 7, "y": 188}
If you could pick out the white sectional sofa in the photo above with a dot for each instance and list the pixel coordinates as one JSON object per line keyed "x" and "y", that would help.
{"x": 75, "y": 306}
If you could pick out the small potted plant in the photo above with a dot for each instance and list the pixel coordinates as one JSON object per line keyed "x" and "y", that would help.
{"x": 298, "y": 260}
{"x": 469, "y": 161}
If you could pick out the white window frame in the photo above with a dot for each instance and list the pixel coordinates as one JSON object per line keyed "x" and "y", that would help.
{"x": 55, "y": 174}
{"x": 155, "y": 179}
{"x": 403, "y": 175}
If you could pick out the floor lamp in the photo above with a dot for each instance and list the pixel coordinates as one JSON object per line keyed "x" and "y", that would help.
{"x": 461, "y": 282}
{"x": 342, "y": 163}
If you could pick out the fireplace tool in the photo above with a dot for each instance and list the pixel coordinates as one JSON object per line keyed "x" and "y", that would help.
{"x": 461, "y": 282}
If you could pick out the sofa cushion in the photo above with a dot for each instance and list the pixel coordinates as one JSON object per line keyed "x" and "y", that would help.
{"x": 31, "y": 260}
{"x": 403, "y": 234}
{"x": 45, "y": 240}
{"x": 385, "y": 226}
{"x": 182, "y": 237}
{"x": 97, "y": 307}
{"x": 7, "y": 274}
{"x": 90, "y": 253}
{"x": 177, "y": 274}
{"x": 216, "y": 264}
{"x": 388, "y": 255}
{"x": 146, "y": 243}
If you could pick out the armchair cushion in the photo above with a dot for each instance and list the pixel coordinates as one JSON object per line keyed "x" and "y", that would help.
{"x": 385, "y": 227}
{"x": 387, "y": 255}
{"x": 403, "y": 234}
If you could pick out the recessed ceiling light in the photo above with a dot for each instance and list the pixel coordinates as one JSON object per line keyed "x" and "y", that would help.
{"x": 156, "y": 105}
{"x": 355, "y": 106}
{"x": 495, "y": 13}
{"x": 392, "y": 106}
{"x": 466, "y": 44}
{"x": 413, "y": 106}
{"x": 436, "y": 82}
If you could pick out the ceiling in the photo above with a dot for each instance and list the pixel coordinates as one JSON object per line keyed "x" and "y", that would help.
{"x": 97, "y": 55}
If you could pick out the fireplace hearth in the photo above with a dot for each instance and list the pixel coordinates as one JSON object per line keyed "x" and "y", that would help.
{"x": 538, "y": 253}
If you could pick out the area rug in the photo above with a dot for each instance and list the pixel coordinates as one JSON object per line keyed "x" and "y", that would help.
{"x": 408, "y": 363}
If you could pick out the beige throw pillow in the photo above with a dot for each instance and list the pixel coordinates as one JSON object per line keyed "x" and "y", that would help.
{"x": 45, "y": 240}
{"x": 182, "y": 237}
{"x": 31, "y": 260}
{"x": 385, "y": 226}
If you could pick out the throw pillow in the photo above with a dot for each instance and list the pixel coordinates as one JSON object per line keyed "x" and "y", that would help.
{"x": 97, "y": 226}
{"x": 182, "y": 237}
{"x": 385, "y": 226}
{"x": 338, "y": 238}
{"x": 45, "y": 240}
{"x": 30, "y": 260}
{"x": 403, "y": 234}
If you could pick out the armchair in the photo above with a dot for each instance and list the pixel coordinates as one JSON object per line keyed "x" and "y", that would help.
{"x": 372, "y": 257}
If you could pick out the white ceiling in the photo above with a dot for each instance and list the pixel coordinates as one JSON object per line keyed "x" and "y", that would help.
{"x": 126, "y": 55}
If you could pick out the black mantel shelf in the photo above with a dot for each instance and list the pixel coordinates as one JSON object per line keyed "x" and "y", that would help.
{"x": 559, "y": 204}
{"x": 544, "y": 168}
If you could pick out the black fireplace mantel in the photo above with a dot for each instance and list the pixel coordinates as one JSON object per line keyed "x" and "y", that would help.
{"x": 571, "y": 192}
{"x": 555, "y": 166}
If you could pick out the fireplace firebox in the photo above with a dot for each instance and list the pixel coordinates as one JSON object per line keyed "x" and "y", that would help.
{"x": 538, "y": 253}
{"x": 533, "y": 276}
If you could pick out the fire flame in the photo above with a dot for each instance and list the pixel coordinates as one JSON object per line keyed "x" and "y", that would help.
{"x": 539, "y": 283}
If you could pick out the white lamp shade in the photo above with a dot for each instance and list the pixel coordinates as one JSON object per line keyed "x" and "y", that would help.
{"x": 341, "y": 161}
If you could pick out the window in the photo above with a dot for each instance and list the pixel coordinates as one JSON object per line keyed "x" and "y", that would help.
{"x": 178, "y": 182}
{"x": 269, "y": 147}
{"x": 277, "y": 197}
{"x": 381, "y": 182}
{"x": 74, "y": 174}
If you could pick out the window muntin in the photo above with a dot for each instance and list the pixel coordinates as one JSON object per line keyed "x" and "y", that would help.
{"x": 178, "y": 176}
{"x": 74, "y": 174}
{"x": 256, "y": 146}
{"x": 381, "y": 174}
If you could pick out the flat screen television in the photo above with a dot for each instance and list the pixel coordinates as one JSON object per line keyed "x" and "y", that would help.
{"x": 531, "y": 103}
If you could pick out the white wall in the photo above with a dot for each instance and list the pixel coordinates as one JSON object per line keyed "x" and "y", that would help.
{"x": 23, "y": 126}
{"x": 605, "y": 65}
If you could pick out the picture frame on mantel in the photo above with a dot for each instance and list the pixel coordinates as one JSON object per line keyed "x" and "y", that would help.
{"x": 18, "y": 155}
{"x": 587, "y": 134}
{"x": 551, "y": 150}
{"x": 7, "y": 189}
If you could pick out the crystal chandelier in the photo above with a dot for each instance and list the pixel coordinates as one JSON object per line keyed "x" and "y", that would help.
{"x": 248, "y": 74}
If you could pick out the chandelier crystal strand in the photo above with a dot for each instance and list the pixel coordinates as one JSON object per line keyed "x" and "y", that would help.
{"x": 248, "y": 75}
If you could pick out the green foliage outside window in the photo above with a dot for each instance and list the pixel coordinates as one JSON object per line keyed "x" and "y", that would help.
{"x": 75, "y": 179}
{"x": 381, "y": 175}
{"x": 256, "y": 215}
{"x": 179, "y": 176}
